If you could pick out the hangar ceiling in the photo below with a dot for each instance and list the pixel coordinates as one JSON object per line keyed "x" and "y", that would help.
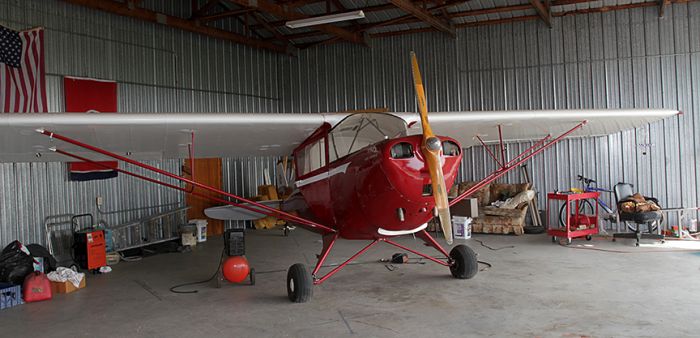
{"x": 263, "y": 21}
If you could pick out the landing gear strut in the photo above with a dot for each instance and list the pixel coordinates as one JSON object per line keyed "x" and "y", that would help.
{"x": 461, "y": 261}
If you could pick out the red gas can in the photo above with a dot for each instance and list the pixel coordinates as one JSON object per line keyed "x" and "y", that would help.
{"x": 36, "y": 287}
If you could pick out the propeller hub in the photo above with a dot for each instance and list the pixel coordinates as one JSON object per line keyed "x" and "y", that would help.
{"x": 433, "y": 143}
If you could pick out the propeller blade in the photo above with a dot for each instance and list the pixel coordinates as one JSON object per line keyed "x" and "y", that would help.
{"x": 431, "y": 149}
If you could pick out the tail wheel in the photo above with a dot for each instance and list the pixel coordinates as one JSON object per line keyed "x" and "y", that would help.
{"x": 464, "y": 262}
{"x": 299, "y": 284}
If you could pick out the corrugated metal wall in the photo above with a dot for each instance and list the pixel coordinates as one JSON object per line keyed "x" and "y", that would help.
{"x": 158, "y": 69}
{"x": 619, "y": 59}
{"x": 607, "y": 60}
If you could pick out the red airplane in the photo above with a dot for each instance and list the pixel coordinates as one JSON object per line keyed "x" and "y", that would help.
{"x": 365, "y": 176}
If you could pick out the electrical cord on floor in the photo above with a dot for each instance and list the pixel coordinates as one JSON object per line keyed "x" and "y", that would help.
{"x": 493, "y": 249}
{"x": 172, "y": 289}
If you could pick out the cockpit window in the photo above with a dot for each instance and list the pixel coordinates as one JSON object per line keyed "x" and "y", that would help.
{"x": 360, "y": 130}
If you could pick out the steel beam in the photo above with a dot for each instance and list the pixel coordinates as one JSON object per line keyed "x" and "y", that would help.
{"x": 543, "y": 11}
{"x": 197, "y": 12}
{"x": 123, "y": 9}
{"x": 224, "y": 15}
{"x": 425, "y": 16}
{"x": 281, "y": 12}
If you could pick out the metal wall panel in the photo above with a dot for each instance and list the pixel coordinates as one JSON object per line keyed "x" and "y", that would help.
{"x": 158, "y": 69}
{"x": 620, "y": 59}
{"x": 604, "y": 60}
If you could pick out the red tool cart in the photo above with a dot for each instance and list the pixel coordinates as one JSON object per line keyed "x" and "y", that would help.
{"x": 578, "y": 224}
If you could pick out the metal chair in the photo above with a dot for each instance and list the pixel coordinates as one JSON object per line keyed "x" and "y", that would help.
{"x": 652, "y": 219}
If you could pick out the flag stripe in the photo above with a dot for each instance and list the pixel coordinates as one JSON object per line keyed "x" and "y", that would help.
{"x": 23, "y": 88}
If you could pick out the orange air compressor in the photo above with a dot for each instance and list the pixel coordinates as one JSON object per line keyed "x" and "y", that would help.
{"x": 88, "y": 245}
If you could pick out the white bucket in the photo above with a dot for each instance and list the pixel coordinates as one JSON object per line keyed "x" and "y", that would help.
{"x": 462, "y": 227}
{"x": 201, "y": 225}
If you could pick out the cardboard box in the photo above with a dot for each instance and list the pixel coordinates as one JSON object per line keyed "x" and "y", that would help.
{"x": 66, "y": 287}
{"x": 269, "y": 191}
{"x": 468, "y": 207}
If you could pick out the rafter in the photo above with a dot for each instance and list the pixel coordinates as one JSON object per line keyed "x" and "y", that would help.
{"x": 662, "y": 7}
{"x": 269, "y": 28}
{"x": 425, "y": 16}
{"x": 281, "y": 12}
{"x": 542, "y": 10}
{"x": 204, "y": 9}
{"x": 123, "y": 9}
{"x": 224, "y": 15}
{"x": 536, "y": 17}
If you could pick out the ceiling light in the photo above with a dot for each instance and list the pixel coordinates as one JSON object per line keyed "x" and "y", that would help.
{"x": 320, "y": 20}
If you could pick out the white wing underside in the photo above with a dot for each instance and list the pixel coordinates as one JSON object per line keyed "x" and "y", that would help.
{"x": 162, "y": 136}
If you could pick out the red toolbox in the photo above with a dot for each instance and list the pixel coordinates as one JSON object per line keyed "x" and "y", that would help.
{"x": 89, "y": 249}
{"x": 577, "y": 224}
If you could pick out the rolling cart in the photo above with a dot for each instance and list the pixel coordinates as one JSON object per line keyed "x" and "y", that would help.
{"x": 577, "y": 224}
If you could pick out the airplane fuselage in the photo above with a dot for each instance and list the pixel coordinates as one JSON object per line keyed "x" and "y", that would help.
{"x": 381, "y": 190}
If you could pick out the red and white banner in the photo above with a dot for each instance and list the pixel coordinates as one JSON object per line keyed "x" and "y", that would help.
{"x": 89, "y": 95}
{"x": 22, "y": 71}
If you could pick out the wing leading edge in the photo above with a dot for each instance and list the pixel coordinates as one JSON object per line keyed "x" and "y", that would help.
{"x": 161, "y": 136}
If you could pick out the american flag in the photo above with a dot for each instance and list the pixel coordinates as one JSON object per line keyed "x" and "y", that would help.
{"x": 22, "y": 71}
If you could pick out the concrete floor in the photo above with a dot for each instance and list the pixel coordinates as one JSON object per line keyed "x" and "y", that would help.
{"x": 534, "y": 288}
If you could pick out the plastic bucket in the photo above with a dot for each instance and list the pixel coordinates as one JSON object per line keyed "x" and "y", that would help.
{"x": 201, "y": 225}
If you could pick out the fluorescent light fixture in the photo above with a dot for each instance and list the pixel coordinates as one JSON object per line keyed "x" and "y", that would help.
{"x": 320, "y": 20}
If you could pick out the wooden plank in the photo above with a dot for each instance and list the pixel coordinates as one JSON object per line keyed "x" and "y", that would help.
{"x": 425, "y": 16}
{"x": 206, "y": 171}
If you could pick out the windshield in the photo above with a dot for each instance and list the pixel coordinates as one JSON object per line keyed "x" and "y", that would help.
{"x": 360, "y": 130}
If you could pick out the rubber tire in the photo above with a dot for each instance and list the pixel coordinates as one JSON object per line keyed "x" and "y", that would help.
{"x": 554, "y": 239}
{"x": 251, "y": 275}
{"x": 568, "y": 241}
{"x": 533, "y": 230}
{"x": 465, "y": 264}
{"x": 589, "y": 237}
{"x": 301, "y": 290}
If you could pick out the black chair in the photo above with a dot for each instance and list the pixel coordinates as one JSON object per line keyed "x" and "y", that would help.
{"x": 652, "y": 219}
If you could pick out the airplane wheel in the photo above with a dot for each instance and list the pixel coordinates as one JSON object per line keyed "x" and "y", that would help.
{"x": 464, "y": 265}
{"x": 589, "y": 237}
{"x": 299, "y": 284}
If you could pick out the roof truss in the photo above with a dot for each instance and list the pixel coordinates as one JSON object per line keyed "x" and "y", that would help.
{"x": 262, "y": 20}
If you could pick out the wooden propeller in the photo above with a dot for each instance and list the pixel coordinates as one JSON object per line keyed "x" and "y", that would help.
{"x": 432, "y": 149}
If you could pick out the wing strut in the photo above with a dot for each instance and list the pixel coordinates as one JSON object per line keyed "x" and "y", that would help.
{"x": 523, "y": 157}
{"x": 254, "y": 206}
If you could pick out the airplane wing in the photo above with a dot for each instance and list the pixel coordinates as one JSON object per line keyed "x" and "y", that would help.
{"x": 160, "y": 136}
{"x": 157, "y": 136}
{"x": 529, "y": 125}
